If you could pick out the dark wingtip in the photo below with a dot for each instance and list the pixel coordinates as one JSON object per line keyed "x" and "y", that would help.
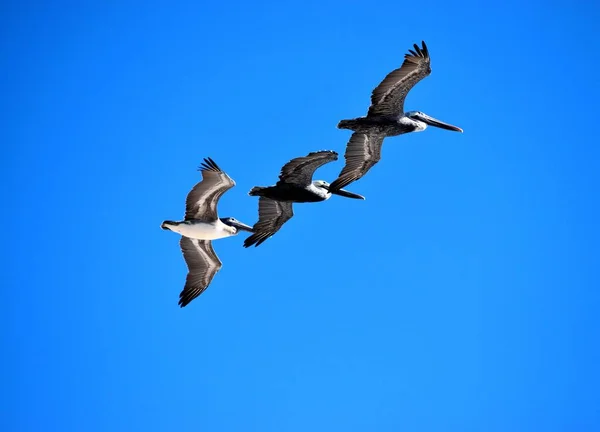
{"x": 341, "y": 182}
{"x": 323, "y": 152}
{"x": 185, "y": 298}
{"x": 209, "y": 165}
{"x": 182, "y": 301}
{"x": 326, "y": 152}
{"x": 249, "y": 241}
{"x": 335, "y": 185}
{"x": 254, "y": 240}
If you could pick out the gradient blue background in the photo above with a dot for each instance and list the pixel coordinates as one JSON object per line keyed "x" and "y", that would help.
{"x": 461, "y": 295}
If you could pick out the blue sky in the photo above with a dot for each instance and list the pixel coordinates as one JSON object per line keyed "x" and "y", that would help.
{"x": 461, "y": 295}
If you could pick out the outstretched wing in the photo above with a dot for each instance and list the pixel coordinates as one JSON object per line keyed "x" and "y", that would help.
{"x": 201, "y": 202}
{"x": 362, "y": 152}
{"x": 271, "y": 217}
{"x": 202, "y": 262}
{"x": 300, "y": 170}
{"x": 388, "y": 97}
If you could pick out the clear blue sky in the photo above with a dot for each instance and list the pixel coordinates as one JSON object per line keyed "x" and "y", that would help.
{"x": 462, "y": 295}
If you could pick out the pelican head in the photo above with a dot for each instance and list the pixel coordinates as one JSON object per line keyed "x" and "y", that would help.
{"x": 423, "y": 120}
{"x": 322, "y": 184}
{"x": 236, "y": 225}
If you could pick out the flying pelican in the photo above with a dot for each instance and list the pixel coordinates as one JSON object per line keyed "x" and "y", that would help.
{"x": 386, "y": 117}
{"x": 202, "y": 225}
{"x": 295, "y": 185}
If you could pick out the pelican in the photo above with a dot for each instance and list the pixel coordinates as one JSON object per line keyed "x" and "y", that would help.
{"x": 202, "y": 225}
{"x": 295, "y": 185}
{"x": 386, "y": 117}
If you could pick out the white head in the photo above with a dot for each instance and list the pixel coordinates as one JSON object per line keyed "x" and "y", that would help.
{"x": 323, "y": 186}
{"x": 234, "y": 225}
{"x": 420, "y": 120}
{"x": 413, "y": 118}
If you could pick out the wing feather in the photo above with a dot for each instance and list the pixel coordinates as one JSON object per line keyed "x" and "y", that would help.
{"x": 362, "y": 152}
{"x": 388, "y": 97}
{"x": 301, "y": 170}
{"x": 271, "y": 217}
{"x": 201, "y": 201}
{"x": 203, "y": 264}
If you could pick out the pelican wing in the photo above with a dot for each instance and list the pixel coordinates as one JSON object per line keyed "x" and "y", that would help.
{"x": 300, "y": 171}
{"x": 201, "y": 202}
{"x": 202, "y": 262}
{"x": 362, "y": 152}
{"x": 388, "y": 97}
{"x": 271, "y": 217}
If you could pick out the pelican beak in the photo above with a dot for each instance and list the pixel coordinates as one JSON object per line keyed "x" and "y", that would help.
{"x": 347, "y": 194}
{"x": 437, "y": 123}
{"x": 242, "y": 227}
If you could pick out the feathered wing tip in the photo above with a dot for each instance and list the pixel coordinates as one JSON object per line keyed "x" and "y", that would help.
{"x": 343, "y": 181}
{"x": 209, "y": 165}
{"x": 418, "y": 52}
{"x": 322, "y": 152}
{"x": 271, "y": 217}
{"x": 184, "y": 299}
{"x": 255, "y": 240}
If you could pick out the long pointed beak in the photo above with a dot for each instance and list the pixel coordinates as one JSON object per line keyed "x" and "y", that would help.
{"x": 347, "y": 194}
{"x": 242, "y": 226}
{"x": 439, "y": 124}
